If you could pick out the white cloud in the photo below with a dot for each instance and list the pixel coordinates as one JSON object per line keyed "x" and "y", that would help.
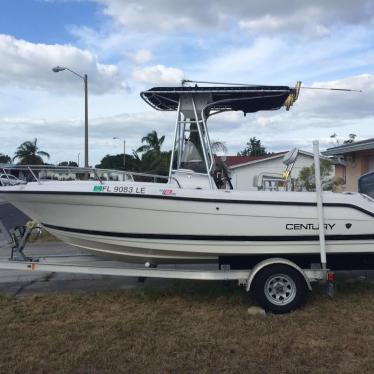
{"x": 243, "y": 61}
{"x": 257, "y": 15}
{"x": 143, "y": 15}
{"x": 28, "y": 65}
{"x": 316, "y": 115}
{"x": 142, "y": 56}
{"x": 238, "y": 41}
{"x": 159, "y": 75}
{"x": 344, "y": 106}
{"x": 308, "y": 20}
{"x": 276, "y": 60}
{"x": 63, "y": 138}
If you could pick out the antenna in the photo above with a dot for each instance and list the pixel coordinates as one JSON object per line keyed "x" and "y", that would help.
{"x": 331, "y": 89}
{"x": 184, "y": 81}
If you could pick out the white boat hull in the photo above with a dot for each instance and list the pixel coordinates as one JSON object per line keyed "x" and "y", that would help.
{"x": 161, "y": 223}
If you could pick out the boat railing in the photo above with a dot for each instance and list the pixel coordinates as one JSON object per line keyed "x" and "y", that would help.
{"x": 40, "y": 173}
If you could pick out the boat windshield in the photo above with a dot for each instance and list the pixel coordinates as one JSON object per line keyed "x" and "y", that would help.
{"x": 191, "y": 158}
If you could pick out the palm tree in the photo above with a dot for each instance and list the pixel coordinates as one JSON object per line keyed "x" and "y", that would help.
{"x": 146, "y": 163}
{"x": 28, "y": 153}
{"x": 153, "y": 143}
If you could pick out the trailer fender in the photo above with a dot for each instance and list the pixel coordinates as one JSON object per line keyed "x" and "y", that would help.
{"x": 273, "y": 261}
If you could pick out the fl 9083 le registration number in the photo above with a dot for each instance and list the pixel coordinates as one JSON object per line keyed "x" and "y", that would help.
{"x": 123, "y": 189}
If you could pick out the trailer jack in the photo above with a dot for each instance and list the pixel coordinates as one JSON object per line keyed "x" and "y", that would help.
{"x": 20, "y": 236}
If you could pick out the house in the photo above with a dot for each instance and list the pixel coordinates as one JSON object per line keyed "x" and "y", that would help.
{"x": 51, "y": 172}
{"x": 263, "y": 172}
{"x": 352, "y": 161}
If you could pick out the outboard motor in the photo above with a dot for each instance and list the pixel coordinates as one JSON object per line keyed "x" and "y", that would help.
{"x": 366, "y": 184}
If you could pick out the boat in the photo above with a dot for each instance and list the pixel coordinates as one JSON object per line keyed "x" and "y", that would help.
{"x": 187, "y": 218}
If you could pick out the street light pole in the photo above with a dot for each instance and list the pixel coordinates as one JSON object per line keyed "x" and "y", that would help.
{"x": 85, "y": 122}
{"x": 124, "y": 152}
{"x": 57, "y": 69}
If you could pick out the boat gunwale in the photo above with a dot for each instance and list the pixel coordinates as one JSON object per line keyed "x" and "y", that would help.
{"x": 192, "y": 199}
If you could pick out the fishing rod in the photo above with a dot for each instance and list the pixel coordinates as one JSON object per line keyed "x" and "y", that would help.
{"x": 184, "y": 81}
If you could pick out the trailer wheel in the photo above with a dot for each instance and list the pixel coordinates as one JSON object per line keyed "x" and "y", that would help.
{"x": 279, "y": 288}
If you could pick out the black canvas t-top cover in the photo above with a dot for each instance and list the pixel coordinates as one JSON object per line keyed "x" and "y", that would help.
{"x": 248, "y": 99}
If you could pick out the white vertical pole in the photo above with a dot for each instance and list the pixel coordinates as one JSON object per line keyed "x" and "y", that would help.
{"x": 177, "y": 124}
{"x": 208, "y": 141}
{"x": 124, "y": 154}
{"x": 321, "y": 226}
{"x": 202, "y": 141}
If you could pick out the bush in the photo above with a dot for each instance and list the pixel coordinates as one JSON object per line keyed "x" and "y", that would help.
{"x": 306, "y": 180}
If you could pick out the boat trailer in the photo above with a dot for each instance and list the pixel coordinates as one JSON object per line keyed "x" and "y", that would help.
{"x": 278, "y": 284}
{"x": 18, "y": 238}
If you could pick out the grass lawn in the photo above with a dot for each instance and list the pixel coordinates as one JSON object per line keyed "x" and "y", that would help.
{"x": 194, "y": 327}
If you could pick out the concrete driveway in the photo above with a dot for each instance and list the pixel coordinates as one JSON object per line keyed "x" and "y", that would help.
{"x": 14, "y": 282}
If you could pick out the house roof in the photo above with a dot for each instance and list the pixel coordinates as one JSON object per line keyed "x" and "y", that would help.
{"x": 233, "y": 162}
{"x": 237, "y": 161}
{"x": 362, "y": 145}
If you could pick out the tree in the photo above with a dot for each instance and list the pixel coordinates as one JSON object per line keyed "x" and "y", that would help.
{"x": 164, "y": 165}
{"x": 28, "y": 153}
{"x": 115, "y": 162}
{"x": 146, "y": 163}
{"x": 334, "y": 136}
{"x": 68, "y": 163}
{"x": 306, "y": 180}
{"x": 5, "y": 159}
{"x": 141, "y": 163}
{"x": 152, "y": 160}
{"x": 351, "y": 139}
{"x": 148, "y": 158}
{"x": 254, "y": 148}
{"x": 153, "y": 143}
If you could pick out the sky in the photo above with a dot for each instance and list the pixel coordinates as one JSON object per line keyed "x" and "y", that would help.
{"x": 126, "y": 47}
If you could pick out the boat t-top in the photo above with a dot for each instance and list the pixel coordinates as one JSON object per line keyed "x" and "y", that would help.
{"x": 187, "y": 217}
{"x": 282, "y": 237}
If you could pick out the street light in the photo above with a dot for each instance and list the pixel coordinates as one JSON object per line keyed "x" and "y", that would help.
{"x": 124, "y": 152}
{"x": 57, "y": 69}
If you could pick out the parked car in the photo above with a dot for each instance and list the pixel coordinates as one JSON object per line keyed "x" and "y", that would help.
{"x": 10, "y": 180}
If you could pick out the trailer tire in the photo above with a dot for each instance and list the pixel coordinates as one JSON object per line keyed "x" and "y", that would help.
{"x": 279, "y": 288}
